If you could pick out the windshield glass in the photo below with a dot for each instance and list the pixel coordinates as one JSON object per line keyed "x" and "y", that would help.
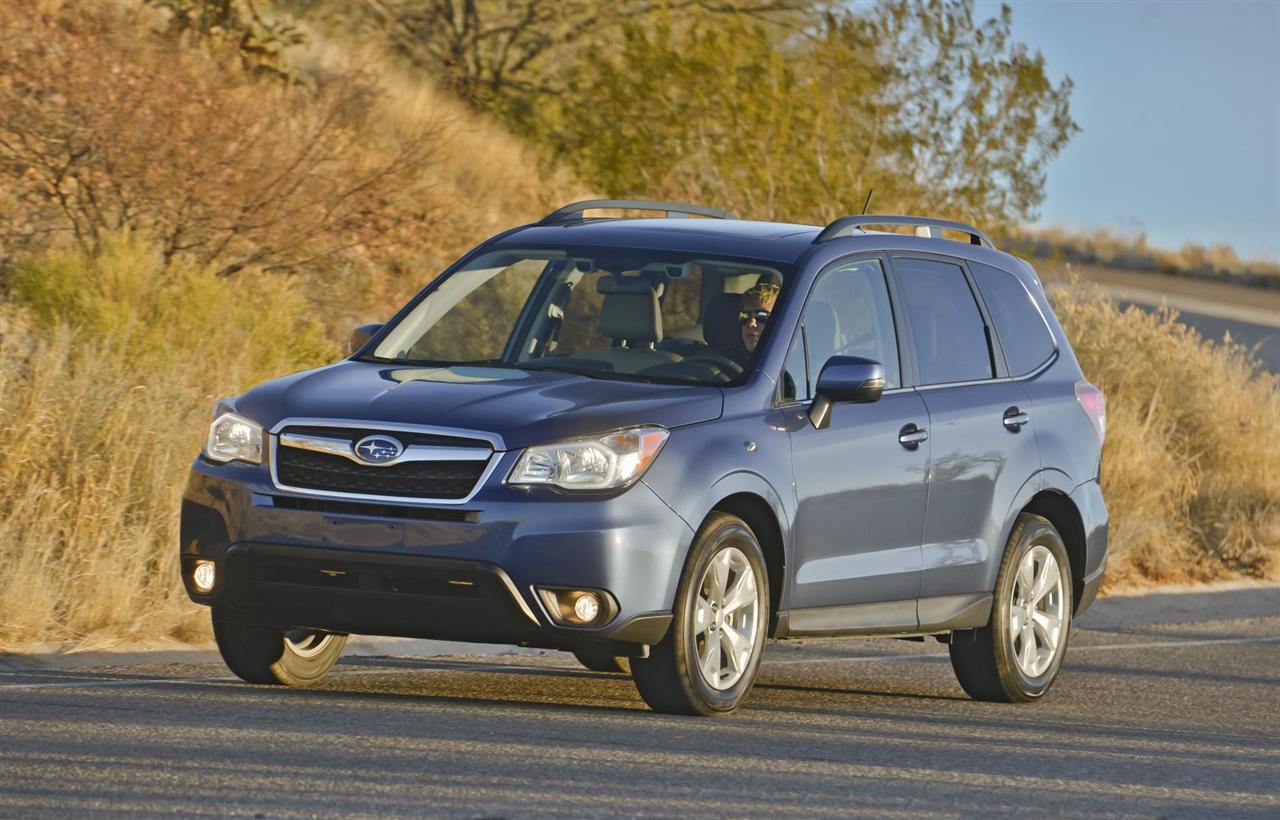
{"x": 604, "y": 312}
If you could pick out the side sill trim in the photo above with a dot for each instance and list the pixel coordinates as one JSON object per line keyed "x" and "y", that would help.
{"x": 853, "y": 619}
{"x": 942, "y": 613}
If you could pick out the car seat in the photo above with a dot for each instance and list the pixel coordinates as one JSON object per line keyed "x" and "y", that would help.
{"x": 721, "y": 328}
{"x": 631, "y": 316}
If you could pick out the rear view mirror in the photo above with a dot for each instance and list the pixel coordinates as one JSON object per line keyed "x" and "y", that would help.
{"x": 850, "y": 379}
{"x": 360, "y": 336}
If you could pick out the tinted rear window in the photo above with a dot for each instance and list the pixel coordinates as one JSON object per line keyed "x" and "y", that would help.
{"x": 948, "y": 331}
{"x": 1024, "y": 335}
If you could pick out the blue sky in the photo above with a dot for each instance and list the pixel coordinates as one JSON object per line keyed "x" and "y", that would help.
{"x": 1179, "y": 105}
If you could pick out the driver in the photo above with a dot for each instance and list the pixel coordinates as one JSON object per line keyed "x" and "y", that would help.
{"x": 757, "y": 304}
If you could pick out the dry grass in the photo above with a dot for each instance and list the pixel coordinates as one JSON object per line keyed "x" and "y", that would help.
{"x": 483, "y": 180}
{"x": 361, "y": 176}
{"x": 1193, "y": 442}
{"x": 112, "y": 350}
{"x": 107, "y": 377}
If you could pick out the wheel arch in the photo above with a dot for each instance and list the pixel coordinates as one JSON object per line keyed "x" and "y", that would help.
{"x": 1066, "y": 519}
{"x": 759, "y": 516}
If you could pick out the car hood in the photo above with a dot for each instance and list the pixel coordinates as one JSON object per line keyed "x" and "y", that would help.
{"x": 519, "y": 407}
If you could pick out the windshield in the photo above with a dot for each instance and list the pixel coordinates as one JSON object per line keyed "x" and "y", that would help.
{"x": 605, "y": 312}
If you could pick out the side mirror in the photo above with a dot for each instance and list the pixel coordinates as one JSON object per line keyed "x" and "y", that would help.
{"x": 360, "y": 336}
{"x": 850, "y": 379}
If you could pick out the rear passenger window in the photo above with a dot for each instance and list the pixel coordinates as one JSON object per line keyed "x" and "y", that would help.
{"x": 1024, "y": 335}
{"x": 949, "y": 334}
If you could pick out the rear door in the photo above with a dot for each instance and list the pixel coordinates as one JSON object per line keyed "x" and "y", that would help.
{"x": 860, "y": 492}
{"x": 982, "y": 450}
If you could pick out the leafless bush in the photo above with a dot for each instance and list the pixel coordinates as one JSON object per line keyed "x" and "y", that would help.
{"x": 104, "y": 129}
{"x": 1193, "y": 440}
{"x": 109, "y": 364}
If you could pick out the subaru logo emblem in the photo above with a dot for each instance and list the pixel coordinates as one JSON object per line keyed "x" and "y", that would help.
{"x": 378, "y": 449}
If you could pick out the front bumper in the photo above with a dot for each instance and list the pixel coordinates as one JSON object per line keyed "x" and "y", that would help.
{"x": 450, "y": 573}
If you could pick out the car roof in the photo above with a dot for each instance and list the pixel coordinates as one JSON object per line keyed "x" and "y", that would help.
{"x": 776, "y": 242}
{"x": 772, "y": 241}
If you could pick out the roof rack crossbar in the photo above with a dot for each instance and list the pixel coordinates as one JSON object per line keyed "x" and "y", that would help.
{"x": 573, "y": 212}
{"x": 925, "y": 226}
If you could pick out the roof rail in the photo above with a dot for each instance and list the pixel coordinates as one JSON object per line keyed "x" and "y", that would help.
{"x": 573, "y": 213}
{"x": 925, "y": 226}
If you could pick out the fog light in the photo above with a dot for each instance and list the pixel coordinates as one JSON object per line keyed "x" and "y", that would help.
{"x": 587, "y": 607}
{"x": 203, "y": 576}
{"x": 579, "y": 607}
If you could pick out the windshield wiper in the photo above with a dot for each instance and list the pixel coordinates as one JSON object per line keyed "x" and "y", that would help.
{"x": 608, "y": 375}
{"x": 574, "y": 371}
{"x": 430, "y": 363}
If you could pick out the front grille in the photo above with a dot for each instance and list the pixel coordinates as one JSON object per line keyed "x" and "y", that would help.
{"x": 444, "y": 480}
{"x": 412, "y": 479}
{"x": 324, "y": 505}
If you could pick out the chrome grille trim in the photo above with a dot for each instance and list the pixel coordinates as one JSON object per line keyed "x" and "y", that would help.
{"x": 415, "y": 452}
{"x": 324, "y": 442}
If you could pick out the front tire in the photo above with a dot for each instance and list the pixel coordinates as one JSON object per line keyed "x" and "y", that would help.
{"x": 708, "y": 661}
{"x": 1015, "y": 658}
{"x": 271, "y": 655}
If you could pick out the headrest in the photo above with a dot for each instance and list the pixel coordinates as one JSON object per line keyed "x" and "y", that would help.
{"x": 624, "y": 284}
{"x": 633, "y": 316}
{"x": 720, "y": 327}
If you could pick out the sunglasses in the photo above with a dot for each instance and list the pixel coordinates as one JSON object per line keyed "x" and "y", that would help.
{"x": 745, "y": 316}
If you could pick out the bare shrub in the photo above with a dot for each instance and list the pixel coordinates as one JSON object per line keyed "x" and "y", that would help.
{"x": 1189, "y": 469}
{"x": 108, "y": 127}
{"x": 108, "y": 369}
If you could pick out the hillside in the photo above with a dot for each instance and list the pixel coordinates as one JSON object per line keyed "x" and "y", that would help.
{"x": 178, "y": 223}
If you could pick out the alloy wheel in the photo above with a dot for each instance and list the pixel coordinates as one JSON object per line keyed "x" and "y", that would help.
{"x": 726, "y": 619}
{"x": 1037, "y": 611}
{"x": 306, "y": 644}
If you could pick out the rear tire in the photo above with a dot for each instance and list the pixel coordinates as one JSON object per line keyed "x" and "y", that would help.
{"x": 1015, "y": 658}
{"x": 271, "y": 655}
{"x": 602, "y": 662}
{"x": 709, "y": 658}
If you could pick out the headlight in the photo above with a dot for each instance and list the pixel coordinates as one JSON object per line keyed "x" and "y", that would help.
{"x": 234, "y": 438}
{"x": 605, "y": 463}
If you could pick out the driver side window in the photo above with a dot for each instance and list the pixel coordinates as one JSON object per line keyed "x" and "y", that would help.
{"x": 848, "y": 314}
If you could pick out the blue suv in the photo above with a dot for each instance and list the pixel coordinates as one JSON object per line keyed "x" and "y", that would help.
{"x": 662, "y": 441}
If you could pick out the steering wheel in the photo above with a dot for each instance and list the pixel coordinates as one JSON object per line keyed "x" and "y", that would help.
{"x": 709, "y": 356}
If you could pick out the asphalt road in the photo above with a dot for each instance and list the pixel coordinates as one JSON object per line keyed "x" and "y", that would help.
{"x": 1180, "y": 718}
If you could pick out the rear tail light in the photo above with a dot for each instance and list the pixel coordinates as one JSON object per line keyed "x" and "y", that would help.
{"x": 1095, "y": 407}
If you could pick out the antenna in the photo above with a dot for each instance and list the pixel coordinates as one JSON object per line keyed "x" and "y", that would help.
{"x": 867, "y": 204}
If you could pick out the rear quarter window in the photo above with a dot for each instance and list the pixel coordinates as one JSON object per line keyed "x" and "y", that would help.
{"x": 1024, "y": 335}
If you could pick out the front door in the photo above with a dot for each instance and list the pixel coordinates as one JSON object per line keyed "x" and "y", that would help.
{"x": 860, "y": 489}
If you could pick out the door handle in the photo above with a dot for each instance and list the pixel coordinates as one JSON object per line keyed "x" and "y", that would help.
{"x": 1014, "y": 419}
{"x": 911, "y": 436}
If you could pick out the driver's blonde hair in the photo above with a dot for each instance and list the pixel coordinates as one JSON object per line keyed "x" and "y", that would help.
{"x": 763, "y": 292}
